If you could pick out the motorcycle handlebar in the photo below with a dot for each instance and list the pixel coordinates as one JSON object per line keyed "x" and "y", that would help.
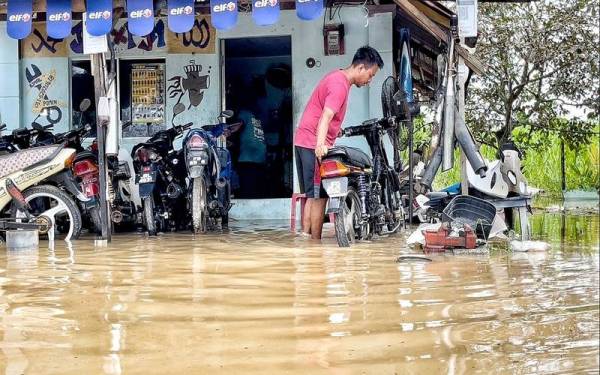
{"x": 370, "y": 125}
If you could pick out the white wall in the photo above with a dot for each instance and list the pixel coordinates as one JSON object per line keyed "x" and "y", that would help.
{"x": 9, "y": 79}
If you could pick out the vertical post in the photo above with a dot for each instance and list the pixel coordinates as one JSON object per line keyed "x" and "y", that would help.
{"x": 460, "y": 96}
{"x": 100, "y": 80}
{"x": 563, "y": 172}
{"x": 410, "y": 166}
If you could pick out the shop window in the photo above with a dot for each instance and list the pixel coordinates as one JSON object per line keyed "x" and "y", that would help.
{"x": 142, "y": 97}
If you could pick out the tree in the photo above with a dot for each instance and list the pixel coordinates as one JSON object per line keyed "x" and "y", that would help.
{"x": 542, "y": 63}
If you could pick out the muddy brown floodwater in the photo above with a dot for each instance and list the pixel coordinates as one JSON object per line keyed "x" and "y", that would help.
{"x": 261, "y": 301}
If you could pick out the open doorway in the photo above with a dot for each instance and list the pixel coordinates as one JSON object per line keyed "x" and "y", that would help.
{"x": 258, "y": 79}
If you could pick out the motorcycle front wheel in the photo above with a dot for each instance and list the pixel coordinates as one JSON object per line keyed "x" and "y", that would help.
{"x": 54, "y": 210}
{"x": 199, "y": 205}
{"x": 148, "y": 209}
{"x": 348, "y": 219}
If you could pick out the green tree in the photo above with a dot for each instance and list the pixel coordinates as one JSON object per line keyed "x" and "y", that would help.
{"x": 543, "y": 64}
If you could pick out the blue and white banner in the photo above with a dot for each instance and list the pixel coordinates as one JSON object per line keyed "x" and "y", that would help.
{"x": 309, "y": 9}
{"x": 58, "y": 18}
{"x": 99, "y": 17}
{"x": 265, "y": 12}
{"x": 140, "y": 17}
{"x": 223, "y": 13}
{"x": 18, "y": 18}
{"x": 181, "y": 15}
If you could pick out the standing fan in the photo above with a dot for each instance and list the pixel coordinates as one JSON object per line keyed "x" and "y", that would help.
{"x": 391, "y": 107}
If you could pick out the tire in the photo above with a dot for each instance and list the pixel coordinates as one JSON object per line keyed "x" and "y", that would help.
{"x": 50, "y": 200}
{"x": 346, "y": 220}
{"x": 395, "y": 200}
{"x": 94, "y": 213}
{"x": 199, "y": 205}
{"x": 148, "y": 208}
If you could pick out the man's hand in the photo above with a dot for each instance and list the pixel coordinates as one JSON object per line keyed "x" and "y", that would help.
{"x": 320, "y": 151}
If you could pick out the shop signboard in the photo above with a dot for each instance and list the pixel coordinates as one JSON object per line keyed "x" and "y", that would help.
{"x": 223, "y": 13}
{"x": 309, "y": 9}
{"x": 99, "y": 17}
{"x": 18, "y": 18}
{"x": 181, "y": 15}
{"x": 200, "y": 39}
{"x": 140, "y": 15}
{"x": 265, "y": 12}
{"x": 58, "y": 18}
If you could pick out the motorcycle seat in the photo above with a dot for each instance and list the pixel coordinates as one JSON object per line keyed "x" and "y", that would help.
{"x": 84, "y": 155}
{"x": 11, "y": 163}
{"x": 351, "y": 155}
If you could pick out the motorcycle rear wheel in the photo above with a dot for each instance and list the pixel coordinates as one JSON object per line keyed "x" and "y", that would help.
{"x": 148, "y": 208}
{"x": 347, "y": 219}
{"x": 199, "y": 205}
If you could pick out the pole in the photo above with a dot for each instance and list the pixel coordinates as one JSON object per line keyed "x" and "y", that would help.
{"x": 100, "y": 80}
{"x": 410, "y": 167}
{"x": 462, "y": 78}
{"x": 563, "y": 177}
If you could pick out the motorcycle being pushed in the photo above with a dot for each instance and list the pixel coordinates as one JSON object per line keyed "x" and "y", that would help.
{"x": 209, "y": 171}
{"x": 364, "y": 192}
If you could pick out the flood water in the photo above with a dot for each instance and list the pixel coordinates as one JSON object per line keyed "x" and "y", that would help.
{"x": 262, "y": 301}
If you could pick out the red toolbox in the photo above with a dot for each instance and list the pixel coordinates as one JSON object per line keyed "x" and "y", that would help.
{"x": 447, "y": 237}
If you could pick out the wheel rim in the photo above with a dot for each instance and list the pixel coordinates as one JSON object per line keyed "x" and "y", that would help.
{"x": 50, "y": 211}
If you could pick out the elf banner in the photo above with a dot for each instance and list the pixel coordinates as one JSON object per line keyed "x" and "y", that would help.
{"x": 58, "y": 18}
{"x": 18, "y": 17}
{"x": 140, "y": 17}
{"x": 223, "y": 13}
{"x": 265, "y": 12}
{"x": 99, "y": 17}
{"x": 181, "y": 15}
{"x": 309, "y": 9}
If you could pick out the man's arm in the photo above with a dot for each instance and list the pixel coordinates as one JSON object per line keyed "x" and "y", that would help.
{"x": 322, "y": 128}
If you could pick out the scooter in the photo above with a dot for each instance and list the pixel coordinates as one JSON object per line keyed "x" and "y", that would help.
{"x": 22, "y": 177}
{"x": 209, "y": 171}
{"x": 364, "y": 192}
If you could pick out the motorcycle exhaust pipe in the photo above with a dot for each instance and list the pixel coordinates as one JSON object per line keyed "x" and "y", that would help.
{"x": 432, "y": 168}
{"x": 116, "y": 217}
{"x": 174, "y": 190}
{"x": 448, "y": 133}
{"x": 466, "y": 142}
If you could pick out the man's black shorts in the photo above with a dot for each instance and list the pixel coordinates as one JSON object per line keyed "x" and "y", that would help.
{"x": 308, "y": 173}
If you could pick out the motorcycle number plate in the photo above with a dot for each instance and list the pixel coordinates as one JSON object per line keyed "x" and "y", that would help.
{"x": 146, "y": 178}
{"x": 336, "y": 187}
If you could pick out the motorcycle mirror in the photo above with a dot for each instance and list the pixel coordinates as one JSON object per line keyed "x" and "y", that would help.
{"x": 2, "y": 126}
{"x": 85, "y": 105}
{"x": 36, "y": 126}
{"x": 178, "y": 108}
{"x": 228, "y": 113}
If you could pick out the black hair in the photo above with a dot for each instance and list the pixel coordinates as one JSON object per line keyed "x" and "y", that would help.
{"x": 368, "y": 56}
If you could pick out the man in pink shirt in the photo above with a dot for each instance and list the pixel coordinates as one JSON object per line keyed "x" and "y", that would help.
{"x": 320, "y": 125}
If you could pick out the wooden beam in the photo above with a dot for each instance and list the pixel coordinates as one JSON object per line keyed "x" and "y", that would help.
{"x": 440, "y": 34}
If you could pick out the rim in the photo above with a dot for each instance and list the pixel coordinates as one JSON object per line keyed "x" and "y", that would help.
{"x": 50, "y": 211}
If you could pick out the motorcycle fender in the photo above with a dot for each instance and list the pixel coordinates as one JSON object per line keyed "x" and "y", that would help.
{"x": 334, "y": 205}
{"x": 146, "y": 190}
{"x": 336, "y": 187}
{"x": 66, "y": 180}
{"x": 195, "y": 171}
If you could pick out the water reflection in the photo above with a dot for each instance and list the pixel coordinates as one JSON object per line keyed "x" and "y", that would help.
{"x": 264, "y": 301}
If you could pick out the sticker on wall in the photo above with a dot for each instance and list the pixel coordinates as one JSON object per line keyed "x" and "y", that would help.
{"x": 181, "y": 15}
{"x": 265, "y": 12}
{"x": 99, "y": 17}
{"x": 19, "y": 18}
{"x": 58, "y": 18}
{"x": 223, "y": 13}
{"x": 309, "y": 9}
{"x": 140, "y": 16}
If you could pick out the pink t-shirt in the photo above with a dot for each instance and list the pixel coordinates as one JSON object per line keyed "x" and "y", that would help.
{"x": 331, "y": 92}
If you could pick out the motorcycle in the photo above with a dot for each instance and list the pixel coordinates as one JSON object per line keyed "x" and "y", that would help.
{"x": 160, "y": 175}
{"x": 364, "y": 192}
{"x": 22, "y": 177}
{"x": 209, "y": 170}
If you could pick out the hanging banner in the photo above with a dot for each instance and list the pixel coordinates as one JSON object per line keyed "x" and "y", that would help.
{"x": 181, "y": 15}
{"x": 223, "y": 13}
{"x": 19, "y": 18}
{"x": 309, "y": 9}
{"x": 265, "y": 12}
{"x": 58, "y": 18}
{"x": 99, "y": 17}
{"x": 140, "y": 16}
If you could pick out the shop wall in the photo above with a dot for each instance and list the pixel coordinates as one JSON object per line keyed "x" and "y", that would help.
{"x": 9, "y": 80}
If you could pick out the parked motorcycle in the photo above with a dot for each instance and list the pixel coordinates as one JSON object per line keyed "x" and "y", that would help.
{"x": 364, "y": 192}
{"x": 209, "y": 170}
{"x": 23, "y": 182}
{"x": 160, "y": 174}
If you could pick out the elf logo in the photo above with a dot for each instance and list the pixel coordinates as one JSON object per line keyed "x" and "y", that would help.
{"x": 146, "y": 13}
{"x": 66, "y": 16}
{"x": 98, "y": 15}
{"x": 228, "y": 7}
{"x": 181, "y": 10}
{"x": 264, "y": 3}
{"x": 25, "y": 17}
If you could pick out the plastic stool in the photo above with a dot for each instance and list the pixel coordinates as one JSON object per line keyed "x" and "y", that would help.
{"x": 295, "y": 198}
